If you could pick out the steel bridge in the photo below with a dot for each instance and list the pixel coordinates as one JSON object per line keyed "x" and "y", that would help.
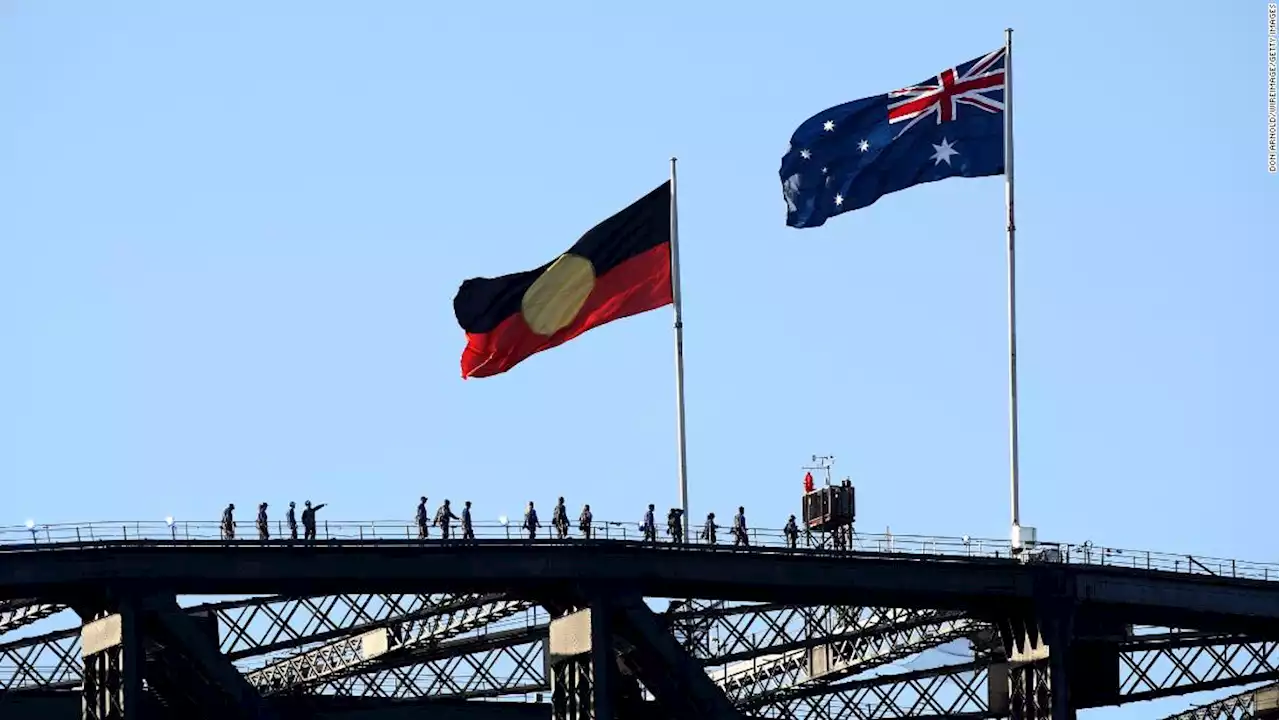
{"x": 165, "y": 620}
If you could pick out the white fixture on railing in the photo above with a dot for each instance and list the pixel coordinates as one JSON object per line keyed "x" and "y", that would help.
{"x": 1023, "y": 537}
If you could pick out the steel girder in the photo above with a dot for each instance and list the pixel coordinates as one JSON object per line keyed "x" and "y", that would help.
{"x": 720, "y": 633}
{"x": 871, "y": 638}
{"x": 1225, "y": 604}
{"x": 422, "y": 629}
{"x": 264, "y": 626}
{"x": 48, "y": 661}
{"x": 950, "y": 691}
{"x": 188, "y": 670}
{"x": 725, "y": 633}
{"x": 648, "y": 651}
{"x": 753, "y": 650}
{"x": 1241, "y": 706}
{"x": 247, "y": 628}
{"x": 17, "y": 613}
{"x": 489, "y": 671}
{"x": 713, "y": 632}
{"x": 1163, "y": 668}
{"x": 1150, "y": 669}
{"x": 716, "y": 633}
{"x": 958, "y": 691}
{"x": 502, "y": 663}
{"x": 1153, "y": 665}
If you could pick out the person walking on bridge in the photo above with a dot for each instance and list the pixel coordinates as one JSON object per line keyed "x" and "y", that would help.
{"x": 263, "y": 532}
{"x": 709, "y": 529}
{"x": 309, "y": 520}
{"x": 291, "y": 520}
{"x": 443, "y": 516}
{"x": 560, "y": 519}
{"x": 791, "y": 532}
{"x": 740, "y": 528}
{"x": 468, "y": 533}
{"x": 584, "y": 522}
{"x": 647, "y": 527}
{"x": 421, "y": 518}
{"x": 229, "y": 522}
{"x": 531, "y": 521}
{"x": 675, "y": 525}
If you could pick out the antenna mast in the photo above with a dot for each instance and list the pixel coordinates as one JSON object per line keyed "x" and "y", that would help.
{"x": 822, "y": 464}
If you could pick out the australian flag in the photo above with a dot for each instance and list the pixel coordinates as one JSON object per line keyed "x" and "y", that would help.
{"x": 851, "y": 155}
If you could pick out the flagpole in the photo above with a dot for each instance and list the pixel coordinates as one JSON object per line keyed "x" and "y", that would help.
{"x": 679, "y": 328}
{"x": 1015, "y": 529}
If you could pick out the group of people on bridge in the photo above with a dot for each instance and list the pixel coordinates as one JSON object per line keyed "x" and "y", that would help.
{"x": 586, "y": 526}
{"x": 264, "y": 532}
{"x": 444, "y": 519}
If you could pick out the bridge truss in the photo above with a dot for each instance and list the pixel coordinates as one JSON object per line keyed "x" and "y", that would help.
{"x": 578, "y": 652}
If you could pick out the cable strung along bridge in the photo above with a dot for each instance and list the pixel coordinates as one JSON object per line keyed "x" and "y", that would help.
{"x": 369, "y": 623}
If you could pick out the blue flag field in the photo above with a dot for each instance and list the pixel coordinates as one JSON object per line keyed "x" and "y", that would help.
{"x": 851, "y": 155}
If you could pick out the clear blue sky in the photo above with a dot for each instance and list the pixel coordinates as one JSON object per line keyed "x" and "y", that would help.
{"x": 231, "y": 234}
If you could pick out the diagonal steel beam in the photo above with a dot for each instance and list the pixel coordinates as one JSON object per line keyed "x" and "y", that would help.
{"x": 483, "y": 671}
{"x": 510, "y": 670}
{"x": 888, "y": 635}
{"x": 961, "y": 690}
{"x": 247, "y": 628}
{"x": 1252, "y": 703}
{"x": 655, "y": 657}
{"x": 505, "y": 661}
{"x": 462, "y": 667}
{"x": 719, "y": 629}
{"x": 254, "y": 627}
{"x": 949, "y": 691}
{"x": 349, "y": 655}
{"x": 1155, "y": 665}
{"x": 182, "y": 639}
{"x": 271, "y": 625}
{"x": 736, "y": 628}
{"x": 1181, "y": 668}
{"x": 17, "y": 613}
{"x": 732, "y": 633}
{"x": 51, "y": 661}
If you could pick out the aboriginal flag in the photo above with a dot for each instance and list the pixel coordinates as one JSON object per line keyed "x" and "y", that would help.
{"x": 619, "y": 268}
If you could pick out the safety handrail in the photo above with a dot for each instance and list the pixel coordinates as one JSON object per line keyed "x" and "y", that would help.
{"x": 61, "y": 534}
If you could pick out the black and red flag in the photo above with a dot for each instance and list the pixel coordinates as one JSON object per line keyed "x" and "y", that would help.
{"x": 619, "y": 268}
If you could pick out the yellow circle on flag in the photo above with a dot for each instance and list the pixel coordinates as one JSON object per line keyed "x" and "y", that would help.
{"x": 554, "y": 299}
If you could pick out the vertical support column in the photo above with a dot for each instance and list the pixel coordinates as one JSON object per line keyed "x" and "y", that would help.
{"x": 1029, "y": 692}
{"x": 1058, "y": 635}
{"x": 1028, "y": 656}
{"x": 571, "y": 692}
{"x": 580, "y": 650}
{"x": 1040, "y": 665}
{"x": 112, "y": 652}
{"x": 818, "y": 622}
{"x": 604, "y": 661}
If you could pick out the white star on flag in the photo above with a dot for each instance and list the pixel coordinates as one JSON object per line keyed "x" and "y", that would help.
{"x": 944, "y": 153}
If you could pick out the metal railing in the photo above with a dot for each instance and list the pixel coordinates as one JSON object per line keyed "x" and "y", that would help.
{"x": 84, "y": 534}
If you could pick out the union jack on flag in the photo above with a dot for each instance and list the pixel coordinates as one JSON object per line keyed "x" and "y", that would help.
{"x": 979, "y": 85}
{"x": 849, "y": 156}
